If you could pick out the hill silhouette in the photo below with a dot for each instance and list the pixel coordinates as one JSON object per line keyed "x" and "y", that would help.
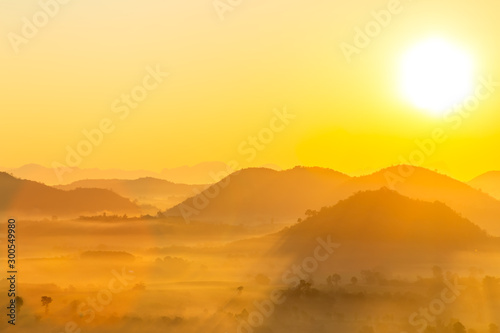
{"x": 48, "y": 176}
{"x": 29, "y": 198}
{"x": 388, "y": 217}
{"x": 379, "y": 229}
{"x": 488, "y": 182}
{"x": 202, "y": 173}
{"x": 428, "y": 185}
{"x": 262, "y": 194}
{"x": 147, "y": 190}
{"x": 259, "y": 195}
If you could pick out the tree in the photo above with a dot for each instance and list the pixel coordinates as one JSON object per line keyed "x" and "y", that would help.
{"x": 369, "y": 276}
{"x": 262, "y": 279}
{"x": 354, "y": 280}
{"x": 303, "y": 287}
{"x": 45, "y": 302}
{"x": 19, "y": 303}
{"x": 336, "y": 279}
{"x": 458, "y": 327}
{"x": 437, "y": 272}
{"x": 311, "y": 213}
{"x": 333, "y": 279}
{"x": 139, "y": 286}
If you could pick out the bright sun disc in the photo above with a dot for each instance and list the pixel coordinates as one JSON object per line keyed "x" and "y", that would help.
{"x": 436, "y": 75}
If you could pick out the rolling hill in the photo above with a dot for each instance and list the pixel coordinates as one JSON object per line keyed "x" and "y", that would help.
{"x": 372, "y": 229}
{"x": 488, "y": 182}
{"x": 201, "y": 173}
{"x": 28, "y": 198}
{"x": 427, "y": 185}
{"x": 385, "y": 216}
{"x": 259, "y": 195}
{"x": 152, "y": 191}
{"x": 262, "y": 195}
{"x": 381, "y": 230}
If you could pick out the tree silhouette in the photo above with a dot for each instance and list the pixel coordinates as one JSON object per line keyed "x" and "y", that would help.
{"x": 333, "y": 279}
{"x": 329, "y": 281}
{"x": 262, "y": 279}
{"x": 45, "y": 302}
{"x": 303, "y": 287}
{"x": 311, "y": 213}
{"x": 458, "y": 327}
{"x": 370, "y": 277}
{"x": 19, "y": 303}
{"x": 437, "y": 272}
{"x": 336, "y": 279}
{"x": 354, "y": 280}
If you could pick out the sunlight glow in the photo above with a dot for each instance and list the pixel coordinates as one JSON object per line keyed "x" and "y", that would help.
{"x": 435, "y": 75}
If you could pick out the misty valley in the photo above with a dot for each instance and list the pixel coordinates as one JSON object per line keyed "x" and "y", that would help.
{"x": 299, "y": 250}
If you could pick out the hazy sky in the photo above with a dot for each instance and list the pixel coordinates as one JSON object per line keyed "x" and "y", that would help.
{"x": 227, "y": 76}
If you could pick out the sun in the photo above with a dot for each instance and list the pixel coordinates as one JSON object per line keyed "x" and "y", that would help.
{"x": 436, "y": 75}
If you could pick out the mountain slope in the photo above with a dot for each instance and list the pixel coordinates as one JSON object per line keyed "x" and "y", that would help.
{"x": 260, "y": 195}
{"x": 386, "y": 216}
{"x": 427, "y": 185}
{"x": 26, "y": 198}
{"x": 372, "y": 229}
{"x": 488, "y": 183}
{"x": 202, "y": 173}
{"x": 153, "y": 191}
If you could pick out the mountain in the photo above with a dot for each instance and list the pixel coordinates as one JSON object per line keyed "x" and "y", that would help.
{"x": 151, "y": 191}
{"x": 259, "y": 195}
{"x": 427, "y": 185}
{"x": 203, "y": 173}
{"x": 49, "y": 176}
{"x": 488, "y": 183}
{"x": 385, "y": 216}
{"x": 380, "y": 231}
{"x": 28, "y": 198}
{"x": 262, "y": 194}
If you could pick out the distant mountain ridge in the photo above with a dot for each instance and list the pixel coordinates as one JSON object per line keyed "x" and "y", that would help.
{"x": 386, "y": 216}
{"x": 378, "y": 228}
{"x": 29, "y": 198}
{"x": 202, "y": 173}
{"x": 488, "y": 182}
{"x": 264, "y": 195}
{"x": 427, "y": 185}
{"x": 153, "y": 191}
{"x": 258, "y": 195}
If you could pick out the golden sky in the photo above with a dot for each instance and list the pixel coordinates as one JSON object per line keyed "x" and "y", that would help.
{"x": 227, "y": 76}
